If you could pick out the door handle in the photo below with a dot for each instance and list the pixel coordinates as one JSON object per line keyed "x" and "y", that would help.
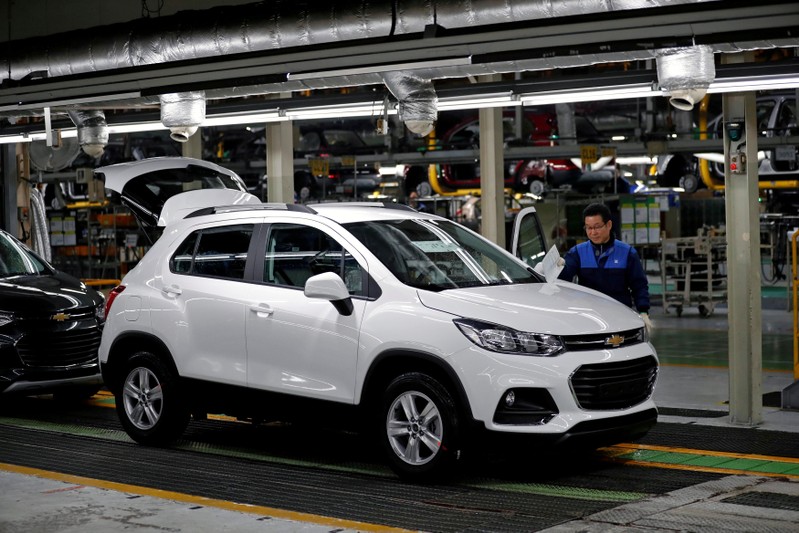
{"x": 172, "y": 290}
{"x": 262, "y": 309}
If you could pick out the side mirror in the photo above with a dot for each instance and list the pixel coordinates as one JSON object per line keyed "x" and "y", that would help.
{"x": 328, "y": 286}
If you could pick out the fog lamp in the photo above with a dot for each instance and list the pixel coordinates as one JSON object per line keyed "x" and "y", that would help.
{"x": 510, "y": 398}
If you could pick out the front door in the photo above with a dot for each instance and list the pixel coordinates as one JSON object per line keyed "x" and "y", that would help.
{"x": 529, "y": 243}
{"x": 296, "y": 344}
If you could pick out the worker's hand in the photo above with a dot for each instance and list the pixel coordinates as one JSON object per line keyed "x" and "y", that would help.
{"x": 561, "y": 262}
{"x": 647, "y": 322}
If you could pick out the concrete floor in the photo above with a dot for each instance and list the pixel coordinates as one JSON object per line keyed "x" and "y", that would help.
{"x": 32, "y": 501}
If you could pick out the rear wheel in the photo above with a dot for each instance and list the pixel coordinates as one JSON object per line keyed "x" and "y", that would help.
{"x": 421, "y": 427}
{"x": 148, "y": 401}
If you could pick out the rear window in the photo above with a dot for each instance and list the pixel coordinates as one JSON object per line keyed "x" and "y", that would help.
{"x": 215, "y": 252}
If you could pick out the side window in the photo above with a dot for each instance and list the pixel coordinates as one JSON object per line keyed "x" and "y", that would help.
{"x": 531, "y": 242}
{"x": 215, "y": 252}
{"x": 295, "y": 252}
{"x": 181, "y": 261}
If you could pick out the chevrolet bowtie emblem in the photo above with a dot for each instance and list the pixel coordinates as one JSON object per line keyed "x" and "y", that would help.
{"x": 60, "y": 317}
{"x": 615, "y": 341}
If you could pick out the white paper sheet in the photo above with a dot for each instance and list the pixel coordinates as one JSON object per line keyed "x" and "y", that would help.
{"x": 550, "y": 265}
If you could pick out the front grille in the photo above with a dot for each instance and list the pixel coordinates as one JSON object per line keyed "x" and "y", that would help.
{"x": 603, "y": 341}
{"x": 60, "y": 349}
{"x": 611, "y": 386}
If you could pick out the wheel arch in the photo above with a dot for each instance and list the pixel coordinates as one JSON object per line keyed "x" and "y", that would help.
{"x": 126, "y": 345}
{"x": 393, "y": 363}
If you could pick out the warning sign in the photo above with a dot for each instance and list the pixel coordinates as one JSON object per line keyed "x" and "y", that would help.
{"x": 608, "y": 151}
{"x": 319, "y": 166}
{"x": 589, "y": 154}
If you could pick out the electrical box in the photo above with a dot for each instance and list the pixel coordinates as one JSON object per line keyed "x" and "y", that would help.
{"x": 83, "y": 175}
{"x": 738, "y": 162}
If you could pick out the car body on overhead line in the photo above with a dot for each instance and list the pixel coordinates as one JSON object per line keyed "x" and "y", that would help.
{"x": 776, "y": 116}
{"x": 371, "y": 316}
{"x": 535, "y": 175}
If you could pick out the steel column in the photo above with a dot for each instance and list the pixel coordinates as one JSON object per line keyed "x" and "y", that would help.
{"x": 743, "y": 266}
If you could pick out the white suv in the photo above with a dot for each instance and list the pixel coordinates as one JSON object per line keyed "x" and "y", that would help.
{"x": 404, "y": 321}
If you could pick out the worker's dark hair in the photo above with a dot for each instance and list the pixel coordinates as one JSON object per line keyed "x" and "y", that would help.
{"x": 593, "y": 210}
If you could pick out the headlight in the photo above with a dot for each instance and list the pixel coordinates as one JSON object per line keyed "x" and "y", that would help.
{"x": 5, "y": 318}
{"x": 506, "y": 340}
{"x": 99, "y": 311}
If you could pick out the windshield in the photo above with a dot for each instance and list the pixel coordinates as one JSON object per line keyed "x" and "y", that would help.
{"x": 439, "y": 254}
{"x": 17, "y": 260}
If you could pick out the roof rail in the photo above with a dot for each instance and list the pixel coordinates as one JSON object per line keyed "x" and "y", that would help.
{"x": 250, "y": 207}
{"x": 384, "y": 205}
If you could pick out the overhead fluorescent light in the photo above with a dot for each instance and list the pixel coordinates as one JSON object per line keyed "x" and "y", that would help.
{"x": 36, "y": 136}
{"x": 374, "y": 69}
{"x": 376, "y": 109}
{"x": 477, "y": 102}
{"x": 636, "y": 160}
{"x": 617, "y": 92}
{"x": 135, "y": 127}
{"x": 754, "y": 83}
{"x": 248, "y": 118}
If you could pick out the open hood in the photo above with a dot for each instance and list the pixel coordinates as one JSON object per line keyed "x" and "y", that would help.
{"x": 145, "y": 186}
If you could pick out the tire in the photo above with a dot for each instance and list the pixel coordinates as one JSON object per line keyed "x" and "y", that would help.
{"x": 420, "y": 448}
{"x": 148, "y": 401}
{"x": 416, "y": 181}
{"x": 537, "y": 187}
{"x": 424, "y": 189}
{"x": 689, "y": 183}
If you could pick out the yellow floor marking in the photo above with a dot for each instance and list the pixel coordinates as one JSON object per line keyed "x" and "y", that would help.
{"x": 200, "y": 500}
{"x": 734, "y": 455}
{"x": 614, "y": 454}
{"x": 695, "y": 468}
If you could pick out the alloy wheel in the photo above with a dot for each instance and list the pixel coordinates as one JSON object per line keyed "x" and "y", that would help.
{"x": 414, "y": 428}
{"x": 143, "y": 398}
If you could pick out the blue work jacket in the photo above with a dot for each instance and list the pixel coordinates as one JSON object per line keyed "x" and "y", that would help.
{"x": 613, "y": 268}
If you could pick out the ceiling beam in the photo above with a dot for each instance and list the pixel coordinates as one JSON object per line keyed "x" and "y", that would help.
{"x": 704, "y": 23}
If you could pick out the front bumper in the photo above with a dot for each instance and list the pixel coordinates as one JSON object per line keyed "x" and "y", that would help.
{"x": 25, "y": 381}
{"x": 589, "y": 434}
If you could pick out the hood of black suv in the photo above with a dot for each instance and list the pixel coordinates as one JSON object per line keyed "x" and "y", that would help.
{"x": 40, "y": 295}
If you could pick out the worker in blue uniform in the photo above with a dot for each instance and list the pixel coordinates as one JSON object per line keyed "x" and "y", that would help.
{"x": 608, "y": 265}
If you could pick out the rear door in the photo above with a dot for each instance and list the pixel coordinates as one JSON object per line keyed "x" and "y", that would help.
{"x": 202, "y": 302}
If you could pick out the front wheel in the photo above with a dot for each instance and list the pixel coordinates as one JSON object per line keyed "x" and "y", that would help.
{"x": 149, "y": 403}
{"x": 421, "y": 427}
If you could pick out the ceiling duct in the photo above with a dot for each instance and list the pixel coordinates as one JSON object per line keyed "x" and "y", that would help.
{"x": 92, "y": 130}
{"x": 268, "y": 26}
{"x": 417, "y": 103}
{"x": 263, "y": 26}
{"x": 685, "y": 74}
{"x": 182, "y": 113}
